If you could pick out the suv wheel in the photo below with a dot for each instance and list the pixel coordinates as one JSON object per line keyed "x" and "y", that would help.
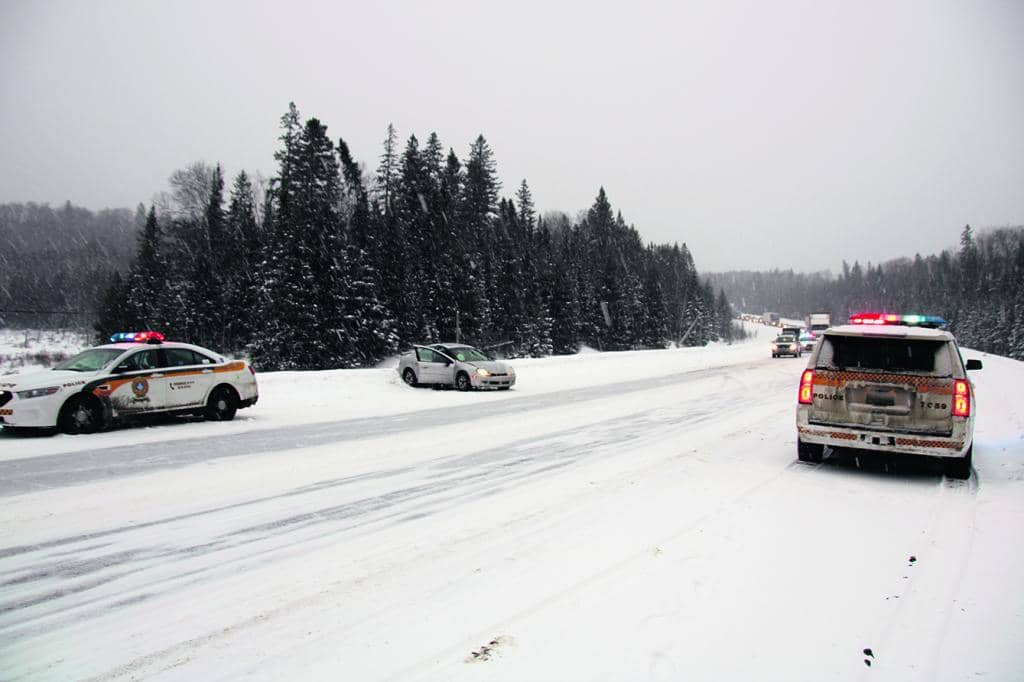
{"x": 960, "y": 467}
{"x": 809, "y": 452}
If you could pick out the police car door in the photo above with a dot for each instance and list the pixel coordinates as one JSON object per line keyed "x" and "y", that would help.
{"x": 137, "y": 385}
{"x": 189, "y": 377}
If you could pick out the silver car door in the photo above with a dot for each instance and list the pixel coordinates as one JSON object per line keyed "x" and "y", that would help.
{"x": 434, "y": 368}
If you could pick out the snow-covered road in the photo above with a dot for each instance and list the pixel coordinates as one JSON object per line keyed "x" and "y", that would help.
{"x": 617, "y": 516}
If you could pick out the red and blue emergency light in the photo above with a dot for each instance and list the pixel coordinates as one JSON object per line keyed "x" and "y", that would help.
{"x": 137, "y": 337}
{"x": 931, "y": 321}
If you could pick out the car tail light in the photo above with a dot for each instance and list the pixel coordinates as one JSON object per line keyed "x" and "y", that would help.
{"x": 252, "y": 370}
{"x": 961, "y": 399}
{"x": 806, "y": 396}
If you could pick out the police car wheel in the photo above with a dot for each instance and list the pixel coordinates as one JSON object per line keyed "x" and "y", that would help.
{"x": 79, "y": 415}
{"x": 409, "y": 377}
{"x": 222, "y": 405}
{"x": 462, "y": 382}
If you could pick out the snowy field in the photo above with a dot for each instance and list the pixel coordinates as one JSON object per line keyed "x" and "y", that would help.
{"x": 617, "y": 516}
{"x": 23, "y": 350}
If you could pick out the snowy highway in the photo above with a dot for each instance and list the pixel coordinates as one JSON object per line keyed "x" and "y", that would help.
{"x": 617, "y": 516}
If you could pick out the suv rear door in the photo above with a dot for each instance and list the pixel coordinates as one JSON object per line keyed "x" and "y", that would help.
{"x": 887, "y": 383}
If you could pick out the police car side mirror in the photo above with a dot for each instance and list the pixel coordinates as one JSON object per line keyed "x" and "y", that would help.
{"x": 973, "y": 364}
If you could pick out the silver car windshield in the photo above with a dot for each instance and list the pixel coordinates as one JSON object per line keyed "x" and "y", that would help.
{"x": 89, "y": 360}
{"x": 467, "y": 354}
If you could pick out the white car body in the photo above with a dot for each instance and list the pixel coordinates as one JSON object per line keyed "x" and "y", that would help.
{"x": 454, "y": 364}
{"x": 135, "y": 379}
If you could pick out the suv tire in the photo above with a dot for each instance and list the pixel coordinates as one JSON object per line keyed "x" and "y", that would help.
{"x": 809, "y": 452}
{"x": 959, "y": 467}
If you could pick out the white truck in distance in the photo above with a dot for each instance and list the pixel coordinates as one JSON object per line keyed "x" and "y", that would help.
{"x": 819, "y": 322}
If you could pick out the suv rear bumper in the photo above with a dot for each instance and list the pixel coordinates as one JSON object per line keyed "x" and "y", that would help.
{"x": 955, "y": 445}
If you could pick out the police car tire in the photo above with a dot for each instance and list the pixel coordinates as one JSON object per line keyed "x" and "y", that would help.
{"x": 221, "y": 405}
{"x": 409, "y": 377}
{"x": 80, "y": 414}
{"x": 960, "y": 467}
{"x": 809, "y": 452}
{"x": 462, "y": 382}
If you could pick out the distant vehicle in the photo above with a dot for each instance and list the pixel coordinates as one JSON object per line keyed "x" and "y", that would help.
{"x": 807, "y": 341}
{"x": 136, "y": 374}
{"x": 888, "y": 383}
{"x": 786, "y": 344}
{"x": 771, "y": 319}
{"x": 453, "y": 364}
{"x": 793, "y": 331}
{"x": 819, "y": 322}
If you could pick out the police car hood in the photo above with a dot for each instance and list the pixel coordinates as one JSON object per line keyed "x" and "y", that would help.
{"x": 42, "y": 379}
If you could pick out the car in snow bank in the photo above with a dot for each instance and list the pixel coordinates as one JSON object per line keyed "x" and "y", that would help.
{"x": 888, "y": 383}
{"x": 786, "y": 344}
{"x": 136, "y": 374}
{"x": 454, "y": 364}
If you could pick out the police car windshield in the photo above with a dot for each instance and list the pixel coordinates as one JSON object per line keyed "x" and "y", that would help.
{"x": 89, "y": 360}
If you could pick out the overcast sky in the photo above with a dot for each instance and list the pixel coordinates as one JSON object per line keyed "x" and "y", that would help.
{"x": 762, "y": 134}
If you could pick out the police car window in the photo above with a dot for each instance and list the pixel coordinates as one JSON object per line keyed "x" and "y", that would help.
{"x": 918, "y": 356}
{"x": 147, "y": 359}
{"x": 181, "y": 357}
{"x": 426, "y": 355}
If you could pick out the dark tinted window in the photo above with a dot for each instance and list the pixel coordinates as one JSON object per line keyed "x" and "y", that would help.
{"x": 885, "y": 354}
{"x": 147, "y": 359}
{"x": 182, "y": 357}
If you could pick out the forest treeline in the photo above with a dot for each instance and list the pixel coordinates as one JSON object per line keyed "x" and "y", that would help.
{"x": 977, "y": 287}
{"x": 329, "y": 266}
{"x": 56, "y": 263}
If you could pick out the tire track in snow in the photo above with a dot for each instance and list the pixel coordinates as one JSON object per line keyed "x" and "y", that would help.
{"x": 46, "y": 472}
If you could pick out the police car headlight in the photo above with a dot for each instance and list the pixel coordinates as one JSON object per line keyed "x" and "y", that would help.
{"x": 37, "y": 392}
{"x": 483, "y": 373}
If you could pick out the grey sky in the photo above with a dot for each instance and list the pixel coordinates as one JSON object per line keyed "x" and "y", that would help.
{"x": 788, "y": 134}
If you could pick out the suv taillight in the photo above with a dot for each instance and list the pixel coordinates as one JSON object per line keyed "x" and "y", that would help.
{"x": 961, "y": 399}
{"x": 806, "y": 395}
{"x": 252, "y": 370}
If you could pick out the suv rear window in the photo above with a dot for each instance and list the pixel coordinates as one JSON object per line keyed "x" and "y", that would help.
{"x": 908, "y": 356}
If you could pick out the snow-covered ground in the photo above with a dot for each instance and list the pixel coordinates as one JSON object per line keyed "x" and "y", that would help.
{"x": 23, "y": 350}
{"x": 618, "y": 516}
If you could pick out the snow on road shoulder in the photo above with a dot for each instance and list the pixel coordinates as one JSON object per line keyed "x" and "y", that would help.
{"x": 291, "y": 398}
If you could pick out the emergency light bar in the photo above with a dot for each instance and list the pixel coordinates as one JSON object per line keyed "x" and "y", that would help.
{"x": 137, "y": 337}
{"x": 931, "y": 321}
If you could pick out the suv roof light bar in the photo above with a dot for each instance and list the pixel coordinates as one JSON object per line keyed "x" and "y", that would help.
{"x": 929, "y": 321}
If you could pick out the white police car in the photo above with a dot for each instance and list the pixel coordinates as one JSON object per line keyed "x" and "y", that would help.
{"x": 137, "y": 373}
{"x": 888, "y": 383}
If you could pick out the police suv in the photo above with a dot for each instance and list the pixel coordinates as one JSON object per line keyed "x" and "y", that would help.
{"x": 888, "y": 383}
{"x": 136, "y": 374}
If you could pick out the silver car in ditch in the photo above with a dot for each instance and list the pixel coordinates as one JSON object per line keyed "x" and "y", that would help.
{"x": 454, "y": 364}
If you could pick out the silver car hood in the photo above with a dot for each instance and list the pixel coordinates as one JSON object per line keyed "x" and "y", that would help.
{"x": 493, "y": 366}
